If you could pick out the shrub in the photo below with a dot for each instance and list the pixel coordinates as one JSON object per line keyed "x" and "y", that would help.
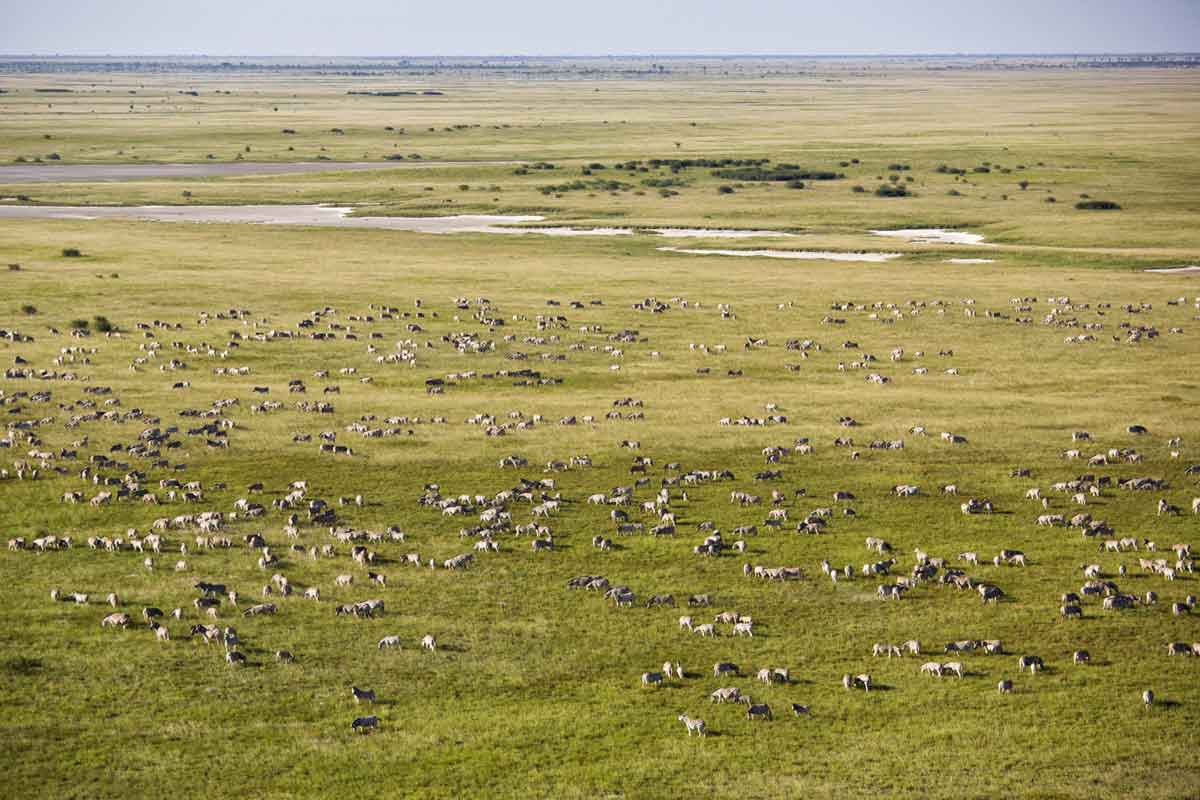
{"x": 724, "y": 190}
{"x": 954, "y": 193}
{"x": 14, "y": 267}
{"x": 1051, "y": 199}
{"x": 21, "y": 665}
{"x": 858, "y": 189}
{"x": 795, "y": 184}
{"x": 780, "y": 172}
{"x": 887, "y": 190}
{"x": 1023, "y": 184}
{"x": 462, "y": 187}
{"x": 102, "y": 324}
{"x": 80, "y": 324}
{"x": 29, "y": 308}
{"x": 1097, "y": 205}
{"x": 71, "y": 252}
{"x": 899, "y": 167}
{"x": 663, "y": 182}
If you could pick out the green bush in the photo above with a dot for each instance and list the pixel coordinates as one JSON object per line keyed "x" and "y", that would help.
{"x": 724, "y": 190}
{"x": 888, "y": 190}
{"x": 71, "y": 252}
{"x": 780, "y": 172}
{"x": 80, "y": 325}
{"x": 29, "y": 308}
{"x": 1097, "y": 205}
{"x": 102, "y": 324}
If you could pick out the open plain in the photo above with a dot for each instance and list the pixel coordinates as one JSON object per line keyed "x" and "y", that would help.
{"x": 929, "y": 426}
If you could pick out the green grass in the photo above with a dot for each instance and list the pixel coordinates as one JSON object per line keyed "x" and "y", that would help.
{"x": 535, "y": 692}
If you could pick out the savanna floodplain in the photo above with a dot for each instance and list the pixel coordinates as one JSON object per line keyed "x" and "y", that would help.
{"x": 301, "y": 360}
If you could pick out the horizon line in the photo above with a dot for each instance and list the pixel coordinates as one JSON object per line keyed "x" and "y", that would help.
{"x": 665, "y": 56}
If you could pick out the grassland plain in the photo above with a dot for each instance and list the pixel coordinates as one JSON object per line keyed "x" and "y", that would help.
{"x": 535, "y": 690}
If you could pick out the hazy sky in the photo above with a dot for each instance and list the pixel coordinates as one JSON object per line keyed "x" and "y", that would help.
{"x": 566, "y": 27}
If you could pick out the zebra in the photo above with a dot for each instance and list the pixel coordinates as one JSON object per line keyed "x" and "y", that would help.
{"x": 721, "y": 667}
{"x": 1034, "y": 663}
{"x": 365, "y": 725}
{"x": 693, "y": 725}
{"x": 760, "y": 711}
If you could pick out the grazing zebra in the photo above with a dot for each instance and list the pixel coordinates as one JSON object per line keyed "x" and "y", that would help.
{"x": 931, "y": 668}
{"x": 953, "y": 666}
{"x": 800, "y": 710}
{"x": 761, "y": 711}
{"x": 1034, "y": 663}
{"x": 652, "y": 679}
{"x": 726, "y": 694}
{"x": 1081, "y": 657}
{"x": 693, "y": 725}
{"x": 720, "y": 668}
{"x": 1005, "y": 686}
{"x": 389, "y": 641}
{"x": 362, "y": 694}
{"x": 1148, "y": 698}
{"x": 429, "y": 643}
{"x": 365, "y": 724}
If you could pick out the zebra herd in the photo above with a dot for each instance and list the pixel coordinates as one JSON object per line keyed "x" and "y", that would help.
{"x": 653, "y": 503}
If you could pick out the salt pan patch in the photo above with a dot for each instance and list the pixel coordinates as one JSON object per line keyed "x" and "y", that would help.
{"x": 803, "y": 255}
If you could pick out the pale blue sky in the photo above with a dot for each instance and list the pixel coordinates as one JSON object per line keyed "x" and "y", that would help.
{"x": 563, "y": 27}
